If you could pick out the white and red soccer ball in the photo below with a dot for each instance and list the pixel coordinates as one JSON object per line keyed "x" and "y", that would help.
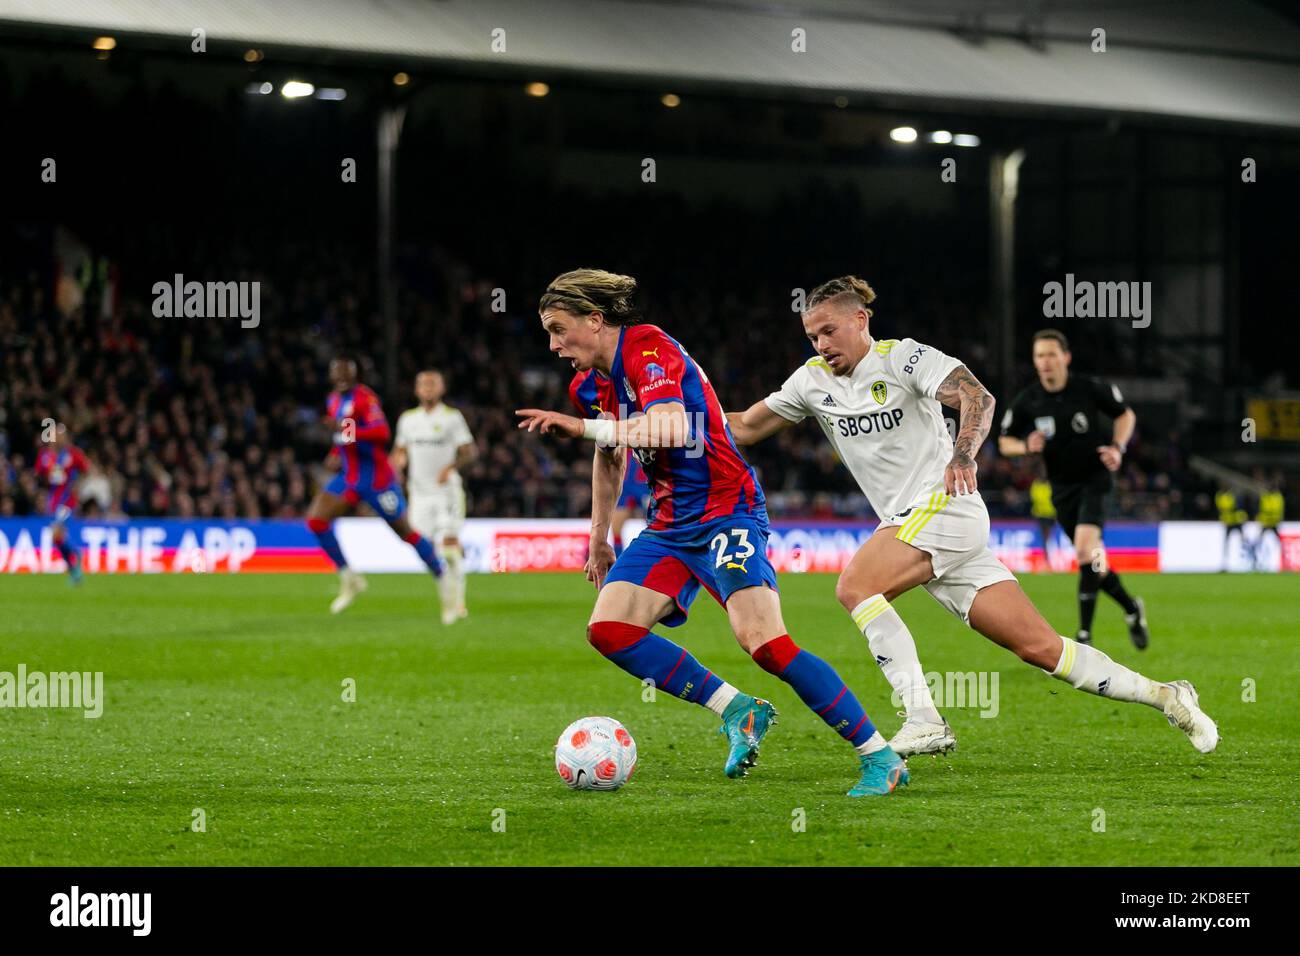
{"x": 595, "y": 753}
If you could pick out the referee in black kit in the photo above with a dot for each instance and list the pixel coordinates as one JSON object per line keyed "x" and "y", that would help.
{"x": 1062, "y": 416}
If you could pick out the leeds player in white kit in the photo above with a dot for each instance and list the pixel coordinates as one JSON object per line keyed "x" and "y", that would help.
{"x": 879, "y": 404}
{"x": 432, "y": 444}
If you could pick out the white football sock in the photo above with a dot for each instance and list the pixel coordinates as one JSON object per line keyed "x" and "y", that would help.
{"x": 720, "y": 698}
{"x": 895, "y": 653}
{"x": 454, "y": 577}
{"x": 871, "y": 744}
{"x": 1085, "y": 668}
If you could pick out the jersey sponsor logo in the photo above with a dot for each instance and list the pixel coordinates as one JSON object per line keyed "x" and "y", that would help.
{"x": 873, "y": 422}
{"x": 627, "y": 384}
{"x": 1046, "y": 424}
{"x": 657, "y": 383}
{"x": 914, "y": 358}
{"x": 645, "y": 352}
{"x": 1079, "y": 422}
{"x": 879, "y": 391}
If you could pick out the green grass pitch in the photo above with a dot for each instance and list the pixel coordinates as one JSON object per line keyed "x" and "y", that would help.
{"x": 224, "y": 694}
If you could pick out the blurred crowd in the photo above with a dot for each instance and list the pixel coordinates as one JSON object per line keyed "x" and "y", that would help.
{"x": 203, "y": 418}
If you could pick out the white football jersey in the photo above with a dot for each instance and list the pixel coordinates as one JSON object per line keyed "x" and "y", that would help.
{"x": 431, "y": 439}
{"x": 883, "y": 419}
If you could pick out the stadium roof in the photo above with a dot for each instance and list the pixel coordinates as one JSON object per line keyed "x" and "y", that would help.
{"x": 1227, "y": 61}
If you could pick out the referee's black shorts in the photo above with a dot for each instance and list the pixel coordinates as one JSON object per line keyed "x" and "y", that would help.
{"x": 1084, "y": 503}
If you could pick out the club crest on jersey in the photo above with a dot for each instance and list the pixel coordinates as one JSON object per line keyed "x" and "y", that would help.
{"x": 1046, "y": 424}
{"x": 655, "y": 371}
{"x": 879, "y": 392}
{"x": 1079, "y": 422}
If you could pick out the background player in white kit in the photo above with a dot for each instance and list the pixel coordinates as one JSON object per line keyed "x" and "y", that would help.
{"x": 432, "y": 444}
{"x": 878, "y": 403}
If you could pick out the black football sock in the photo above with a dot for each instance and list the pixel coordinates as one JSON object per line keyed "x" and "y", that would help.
{"x": 1110, "y": 583}
{"x": 1087, "y": 598}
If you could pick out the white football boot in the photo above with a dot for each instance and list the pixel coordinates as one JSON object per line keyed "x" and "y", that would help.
{"x": 923, "y": 737}
{"x": 350, "y": 585}
{"x": 449, "y": 616}
{"x": 1183, "y": 709}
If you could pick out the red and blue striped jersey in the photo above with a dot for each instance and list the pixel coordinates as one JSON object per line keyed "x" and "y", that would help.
{"x": 365, "y": 460}
{"x": 688, "y": 487}
{"x": 61, "y": 470}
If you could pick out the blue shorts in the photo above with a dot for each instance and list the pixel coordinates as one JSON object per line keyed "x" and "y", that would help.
{"x": 388, "y": 502}
{"x": 724, "y": 555}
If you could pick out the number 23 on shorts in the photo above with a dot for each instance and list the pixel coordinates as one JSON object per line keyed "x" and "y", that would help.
{"x": 733, "y": 548}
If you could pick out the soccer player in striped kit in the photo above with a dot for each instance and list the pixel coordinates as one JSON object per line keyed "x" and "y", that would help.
{"x": 707, "y": 524}
{"x": 360, "y": 435}
{"x": 878, "y": 402}
{"x": 61, "y": 464}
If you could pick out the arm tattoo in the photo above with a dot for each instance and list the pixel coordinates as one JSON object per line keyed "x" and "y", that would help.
{"x": 963, "y": 391}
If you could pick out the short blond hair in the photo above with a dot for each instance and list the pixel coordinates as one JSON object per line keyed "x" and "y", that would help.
{"x": 582, "y": 291}
{"x": 847, "y": 286}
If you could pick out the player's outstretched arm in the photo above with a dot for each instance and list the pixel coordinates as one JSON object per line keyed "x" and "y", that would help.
{"x": 664, "y": 426}
{"x": 755, "y": 424}
{"x": 963, "y": 391}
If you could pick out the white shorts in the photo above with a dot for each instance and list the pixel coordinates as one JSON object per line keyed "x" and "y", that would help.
{"x": 954, "y": 531}
{"x": 440, "y": 514}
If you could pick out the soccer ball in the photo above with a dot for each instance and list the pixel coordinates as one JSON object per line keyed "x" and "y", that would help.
{"x": 595, "y": 753}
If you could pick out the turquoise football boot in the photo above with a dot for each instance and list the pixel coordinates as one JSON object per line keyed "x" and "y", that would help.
{"x": 745, "y": 722}
{"x": 882, "y": 772}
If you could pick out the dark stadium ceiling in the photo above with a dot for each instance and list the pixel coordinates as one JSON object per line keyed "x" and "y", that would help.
{"x": 1237, "y": 62}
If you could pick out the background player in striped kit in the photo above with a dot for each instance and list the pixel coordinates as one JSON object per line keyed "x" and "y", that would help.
{"x": 708, "y": 524}
{"x": 432, "y": 445}
{"x": 878, "y": 403}
{"x": 360, "y": 435}
{"x": 61, "y": 464}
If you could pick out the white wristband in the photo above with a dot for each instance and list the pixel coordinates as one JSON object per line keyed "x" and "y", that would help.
{"x": 599, "y": 430}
